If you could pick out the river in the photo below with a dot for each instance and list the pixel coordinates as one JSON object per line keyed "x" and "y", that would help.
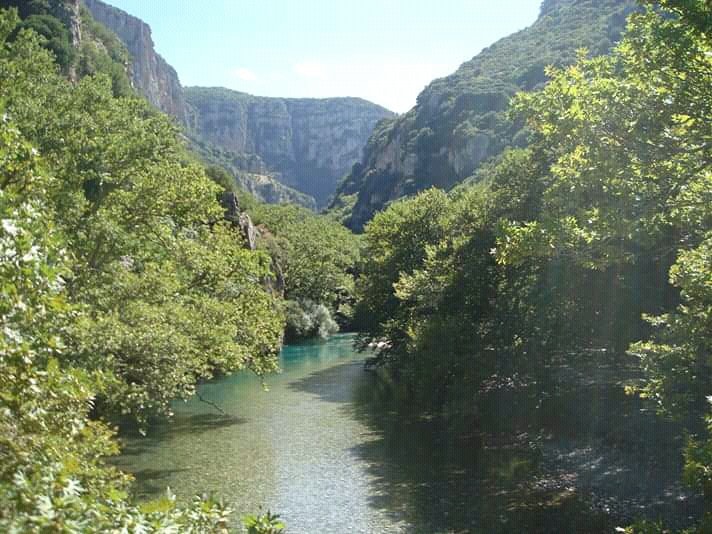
{"x": 325, "y": 444}
{"x": 303, "y": 444}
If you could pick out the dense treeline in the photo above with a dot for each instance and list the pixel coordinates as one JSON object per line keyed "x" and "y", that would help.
{"x": 595, "y": 240}
{"x": 459, "y": 121}
{"x": 122, "y": 287}
{"x": 313, "y": 260}
{"x": 58, "y": 27}
{"x": 317, "y": 257}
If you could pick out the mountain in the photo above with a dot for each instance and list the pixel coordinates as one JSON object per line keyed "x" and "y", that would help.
{"x": 251, "y": 174}
{"x": 460, "y": 121}
{"x": 150, "y": 74}
{"x": 305, "y": 145}
{"x": 309, "y": 144}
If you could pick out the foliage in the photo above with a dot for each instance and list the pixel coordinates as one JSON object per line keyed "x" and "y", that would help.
{"x": 99, "y": 51}
{"x": 459, "y": 121}
{"x": 52, "y": 476}
{"x": 595, "y": 237}
{"x": 307, "y": 319}
{"x": 317, "y": 256}
{"x": 102, "y": 52}
{"x": 395, "y": 243}
{"x": 121, "y": 288}
{"x": 160, "y": 274}
{"x": 267, "y": 523}
{"x": 56, "y": 37}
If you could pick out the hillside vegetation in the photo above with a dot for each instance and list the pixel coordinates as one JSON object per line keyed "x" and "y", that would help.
{"x": 123, "y": 287}
{"x": 555, "y": 306}
{"x": 588, "y": 253}
{"x": 460, "y": 121}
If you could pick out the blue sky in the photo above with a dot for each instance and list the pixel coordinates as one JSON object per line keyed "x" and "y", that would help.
{"x": 385, "y": 51}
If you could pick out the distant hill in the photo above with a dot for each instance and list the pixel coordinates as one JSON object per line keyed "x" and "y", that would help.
{"x": 251, "y": 174}
{"x": 305, "y": 145}
{"x": 309, "y": 144}
{"x": 459, "y": 121}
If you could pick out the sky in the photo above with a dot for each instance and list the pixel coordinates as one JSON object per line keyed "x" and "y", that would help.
{"x": 385, "y": 51}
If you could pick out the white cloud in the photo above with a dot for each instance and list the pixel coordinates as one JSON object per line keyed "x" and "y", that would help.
{"x": 310, "y": 69}
{"x": 246, "y": 75}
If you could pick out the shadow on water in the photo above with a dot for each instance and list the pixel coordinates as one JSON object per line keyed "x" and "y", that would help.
{"x": 416, "y": 475}
{"x": 150, "y": 482}
{"x": 586, "y": 459}
{"x": 333, "y": 384}
{"x": 179, "y": 424}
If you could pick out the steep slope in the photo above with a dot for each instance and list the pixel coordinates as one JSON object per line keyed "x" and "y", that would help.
{"x": 151, "y": 75}
{"x": 250, "y": 173}
{"x": 459, "y": 121}
{"x": 308, "y": 143}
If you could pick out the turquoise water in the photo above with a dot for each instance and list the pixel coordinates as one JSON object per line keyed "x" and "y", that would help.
{"x": 293, "y": 448}
{"x": 328, "y": 447}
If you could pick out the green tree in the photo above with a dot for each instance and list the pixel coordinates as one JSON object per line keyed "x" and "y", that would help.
{"x": 317, "y": 257}
{"x": 628, "y": 195}
{"x": 395, "y": 242}
{"x": 172, "y": 294}
{"x": 52, "y": 474}
{"x": 56, "y": 35}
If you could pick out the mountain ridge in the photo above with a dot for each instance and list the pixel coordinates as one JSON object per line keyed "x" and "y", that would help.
{"x": 309, "y": 143}
{"x": 459, "y": 121}
{"x": 322, "y": 153}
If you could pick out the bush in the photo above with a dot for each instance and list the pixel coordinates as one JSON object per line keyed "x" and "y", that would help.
{"x": 308, "y": 319}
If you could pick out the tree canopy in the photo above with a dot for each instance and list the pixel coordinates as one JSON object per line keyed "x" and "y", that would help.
{"x": 595, "y": 239}
{"x": 122, "y": 288}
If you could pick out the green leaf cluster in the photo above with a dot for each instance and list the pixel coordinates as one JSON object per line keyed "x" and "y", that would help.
{"x": 317, "y": 258}
{"x": 122, "y": 288}
{"x": 594, "y": 240}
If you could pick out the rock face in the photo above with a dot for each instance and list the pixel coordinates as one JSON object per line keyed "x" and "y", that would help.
{"x": 266, "y": 188}
{"x": 239, "y": 219}
{"x": 150, "y": 74}
{"x": 70, "y": 16}
{"x": 309, "y": 144}
{"x": 460, "y": 121}
{"x": 280, "y": 149}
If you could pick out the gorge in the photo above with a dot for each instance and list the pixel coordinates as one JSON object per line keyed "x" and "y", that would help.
{"x": 304, "y": 144}
{"x": 499, "y": 321}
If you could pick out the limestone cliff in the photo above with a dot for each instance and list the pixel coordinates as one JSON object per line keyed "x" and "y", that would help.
{"x": 150, "y": 74}
{"x": 309, "y": 144}
{"x": 460, "y": 121}
{"x": 280, "y": 149}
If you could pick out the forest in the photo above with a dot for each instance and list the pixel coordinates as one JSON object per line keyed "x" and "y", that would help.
{"x": 581, "y": 253}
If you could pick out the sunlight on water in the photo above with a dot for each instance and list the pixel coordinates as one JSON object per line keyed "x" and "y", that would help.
{"x": 291, "y": 449}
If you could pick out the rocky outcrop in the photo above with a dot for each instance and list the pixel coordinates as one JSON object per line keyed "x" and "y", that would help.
{"x": 307, "y": 144}
{"x": 460, "y": 121}
{"x": 150, "y": 74}
{"x": 241, "y": 220}
{"x": 265, "y": 187}
{"x": 279, "y": 149}
{"x": 68, "y": 13}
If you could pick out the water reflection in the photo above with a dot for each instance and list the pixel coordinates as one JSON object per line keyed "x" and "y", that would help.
{"x": 332, "y": 449}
